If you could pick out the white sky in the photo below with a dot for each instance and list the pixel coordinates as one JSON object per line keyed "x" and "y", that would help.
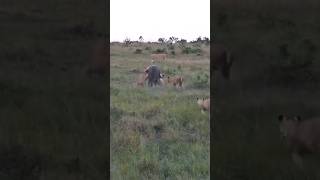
{"x": 152, "y": 19}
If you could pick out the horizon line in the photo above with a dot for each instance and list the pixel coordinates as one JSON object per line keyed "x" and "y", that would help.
{"x": 202, "y": 37}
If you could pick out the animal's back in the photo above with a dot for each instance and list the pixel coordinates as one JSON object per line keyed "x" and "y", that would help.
{"x": 158, "y": 56}
{"x": 154, "y": 75}
{"x": 141, "y": 79}
{"x": 175, "y": 80}
{"x": 207, "y": 103}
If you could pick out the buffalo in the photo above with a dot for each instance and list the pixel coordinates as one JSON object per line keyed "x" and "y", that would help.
{"x": 153, "y": 75}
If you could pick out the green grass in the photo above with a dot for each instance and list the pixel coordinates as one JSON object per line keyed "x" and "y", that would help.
{"x": 157, "y": 133}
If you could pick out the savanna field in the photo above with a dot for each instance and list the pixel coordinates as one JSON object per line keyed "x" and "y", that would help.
{"x": 275, "y": 71}
{"x": 159, "y": 132}
{"x": 53, "y": 115}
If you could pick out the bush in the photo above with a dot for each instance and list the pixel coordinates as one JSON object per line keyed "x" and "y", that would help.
{"x": 171, "y": 47}
{"x": 148, "y": 48}
{"x": 200, "y": 80}
{"x": 138, "y": 51}
{"x": 171, "y": 71}
{"x": 173, "y": 52}
{"x": 162, "y": 50}
{"x": 189, "y": 50}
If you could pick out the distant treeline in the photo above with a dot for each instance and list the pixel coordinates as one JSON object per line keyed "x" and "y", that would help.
{"x": 170, "y": 40}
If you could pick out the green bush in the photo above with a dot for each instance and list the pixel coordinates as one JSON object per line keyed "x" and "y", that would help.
{"x": 170, "y": 71}
{"x": 160, "y": 50}
{"x": 138, "y": 51}
{"x": 171, "y": 47}
{"x": 200, "y": 80}
{"x": 189, "y": 50}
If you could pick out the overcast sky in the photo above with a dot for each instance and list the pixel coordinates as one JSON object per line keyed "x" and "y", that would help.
{"x": 152, "y": 19}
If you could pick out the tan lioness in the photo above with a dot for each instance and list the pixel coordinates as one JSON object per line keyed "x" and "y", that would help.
{"x": 162, "y": 83}
{"x": 141, "y": 79}
{"x": 204, "y": 104}
{"x": 176, "y": 81}
{"x": 159, "y": 56}
{"x": 221, "y": 60}
{"x": 303, "y": 137}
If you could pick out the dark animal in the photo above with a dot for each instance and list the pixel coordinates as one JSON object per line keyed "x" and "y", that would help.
{"x": 154, "y": 75}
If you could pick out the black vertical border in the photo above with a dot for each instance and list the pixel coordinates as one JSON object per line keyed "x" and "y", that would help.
{"x": 107, "y": 46}
{"x": 211, "y": 89}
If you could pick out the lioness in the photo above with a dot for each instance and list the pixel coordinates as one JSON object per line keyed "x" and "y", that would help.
{"x": 176, "y": 81}
{"x": 159, "y": 56}
{"x": 204, "y": 104}
{"x": 141, "y": 79}
{"x": 303, "y": 137}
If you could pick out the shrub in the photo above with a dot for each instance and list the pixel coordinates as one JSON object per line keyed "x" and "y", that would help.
{"x": 138, "y": 51}
{"x": 160, "y": 50}
{"x": 200, "y": 80}
{"x": 171, "y": 47}
{"x": 189, "y": 50}
{"x": 170, "y": 71}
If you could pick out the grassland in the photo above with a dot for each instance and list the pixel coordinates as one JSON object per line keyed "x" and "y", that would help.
{"x": 158, "y": 133}
{"x": 52, "y": 116}
{"x": 276, "y": 71}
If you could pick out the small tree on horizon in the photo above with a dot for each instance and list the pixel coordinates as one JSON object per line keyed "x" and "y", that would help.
{"x": 182, "y": 43}
{"x": 206, "y": 40}
{"x": 199, "y": 40}
{"x": 127, "y": 42}
{"x": 173, "y": 39}
{"x": 141, "y": 39}
{"x": 161, "y": 40}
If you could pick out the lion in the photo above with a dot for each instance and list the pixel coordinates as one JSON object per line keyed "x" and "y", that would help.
{"x": 141, "y": 79}
{"x": 204, "y": 104}
{"x": 159, "y": 56}
{"x": 176, "y": 81}
{"x": 303, "y": 137}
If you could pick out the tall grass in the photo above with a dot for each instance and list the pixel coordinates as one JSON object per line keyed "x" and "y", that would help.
{"x": 156, "y": 133}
